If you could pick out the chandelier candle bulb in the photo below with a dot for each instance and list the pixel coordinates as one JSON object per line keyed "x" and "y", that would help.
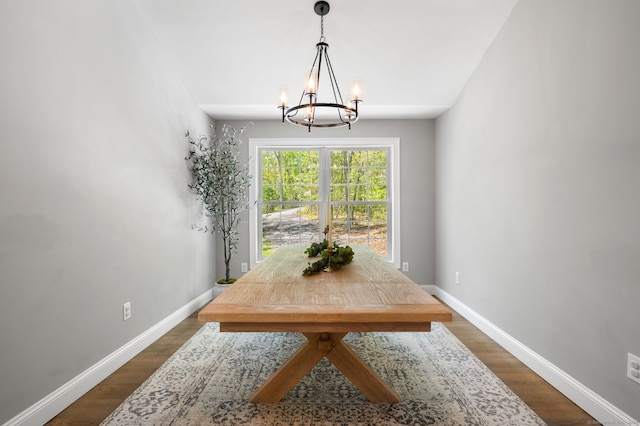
{"x": 283, "y": 103}
{"x": 310, "y": 86}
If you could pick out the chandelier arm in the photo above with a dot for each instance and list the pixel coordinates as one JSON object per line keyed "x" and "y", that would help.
{"x": 334, "y": 83}
{"x": 338, "y": 97}
{"x": 304, "y": 90}
{"x": 302, "y": 97}
{"x": 321, "y": 52}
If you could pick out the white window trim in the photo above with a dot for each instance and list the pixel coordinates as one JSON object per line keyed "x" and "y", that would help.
{"x": 254, "y": 170}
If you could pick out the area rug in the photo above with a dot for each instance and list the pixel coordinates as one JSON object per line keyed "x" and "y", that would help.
{"x": 210, "y": 379}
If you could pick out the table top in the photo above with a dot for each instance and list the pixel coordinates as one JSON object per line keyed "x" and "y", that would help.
{"x": 369, "y": 294}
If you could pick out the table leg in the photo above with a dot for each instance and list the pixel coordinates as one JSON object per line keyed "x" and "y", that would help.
{"x": 318, "y": 346}
{"x": 361, "y": 375}
{"x": 294, "y": 369}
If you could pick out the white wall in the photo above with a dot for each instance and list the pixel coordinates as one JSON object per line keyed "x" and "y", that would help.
{"x": 416, "y": 175}
{"x": 537, "y": 189}
{"x": 94, "y": 205}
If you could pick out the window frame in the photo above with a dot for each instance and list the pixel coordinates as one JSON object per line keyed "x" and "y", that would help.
{"x": 391, "y": 144}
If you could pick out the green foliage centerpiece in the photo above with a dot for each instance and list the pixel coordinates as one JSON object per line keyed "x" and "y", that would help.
{"x": 333, "y": 257}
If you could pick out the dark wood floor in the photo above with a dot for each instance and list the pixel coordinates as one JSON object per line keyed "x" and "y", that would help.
{"x": 548, "y": 403}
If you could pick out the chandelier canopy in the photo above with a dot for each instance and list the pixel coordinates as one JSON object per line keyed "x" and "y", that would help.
{"x": 310, "y": 112}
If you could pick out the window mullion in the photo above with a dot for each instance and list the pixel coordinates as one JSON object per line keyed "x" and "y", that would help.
{"x": 325, "y": 188}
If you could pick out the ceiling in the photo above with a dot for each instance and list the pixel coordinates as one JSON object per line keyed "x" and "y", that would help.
{"x": 412, "y": 57}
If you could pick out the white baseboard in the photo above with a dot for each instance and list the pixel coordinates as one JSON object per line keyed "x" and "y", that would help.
{"x": 51, "y": 405}
{"x": 585, "y": 398}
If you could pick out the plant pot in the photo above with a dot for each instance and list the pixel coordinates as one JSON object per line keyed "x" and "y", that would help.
{"x": 218, "y": 288}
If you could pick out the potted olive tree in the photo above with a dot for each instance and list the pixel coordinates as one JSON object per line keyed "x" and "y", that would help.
{"x": 221, "y": 181}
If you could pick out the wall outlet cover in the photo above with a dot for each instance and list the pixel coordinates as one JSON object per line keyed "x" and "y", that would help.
{"x": 633, "y": 368}
{"x": 126, "y": 311}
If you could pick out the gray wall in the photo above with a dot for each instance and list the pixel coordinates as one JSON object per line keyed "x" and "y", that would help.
{"x": 416, "y": 176}
{"x": 537, "y": 188}
{"x": 94, "y": 208}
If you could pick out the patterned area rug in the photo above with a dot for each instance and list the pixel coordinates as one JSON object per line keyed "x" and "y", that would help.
{"x": 210, "y": 379}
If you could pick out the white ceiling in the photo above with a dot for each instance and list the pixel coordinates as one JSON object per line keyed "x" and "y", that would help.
{"x": 413, "y": 57}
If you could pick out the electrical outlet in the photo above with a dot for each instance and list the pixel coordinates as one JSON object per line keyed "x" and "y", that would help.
{"x": 244, "y": 267}
{"x": 633, "y": 368}
{"x": 126, "y": 311}
{"x": 405, "y": 266}
{"x": 457, "y": 277}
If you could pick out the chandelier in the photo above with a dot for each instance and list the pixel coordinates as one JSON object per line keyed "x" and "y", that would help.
{"x": 310, "y": 112}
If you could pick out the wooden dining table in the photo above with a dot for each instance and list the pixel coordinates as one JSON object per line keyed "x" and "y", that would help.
{"x": 366, "y": 295}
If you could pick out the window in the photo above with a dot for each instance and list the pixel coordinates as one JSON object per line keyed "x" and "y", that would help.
{"x": 289, "y": 190}
{"x": 359, "y": 202}
{"x": 295, "y": 181}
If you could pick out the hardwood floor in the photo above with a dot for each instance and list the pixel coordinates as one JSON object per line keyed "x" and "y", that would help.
{"x": 553, "y": 407}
